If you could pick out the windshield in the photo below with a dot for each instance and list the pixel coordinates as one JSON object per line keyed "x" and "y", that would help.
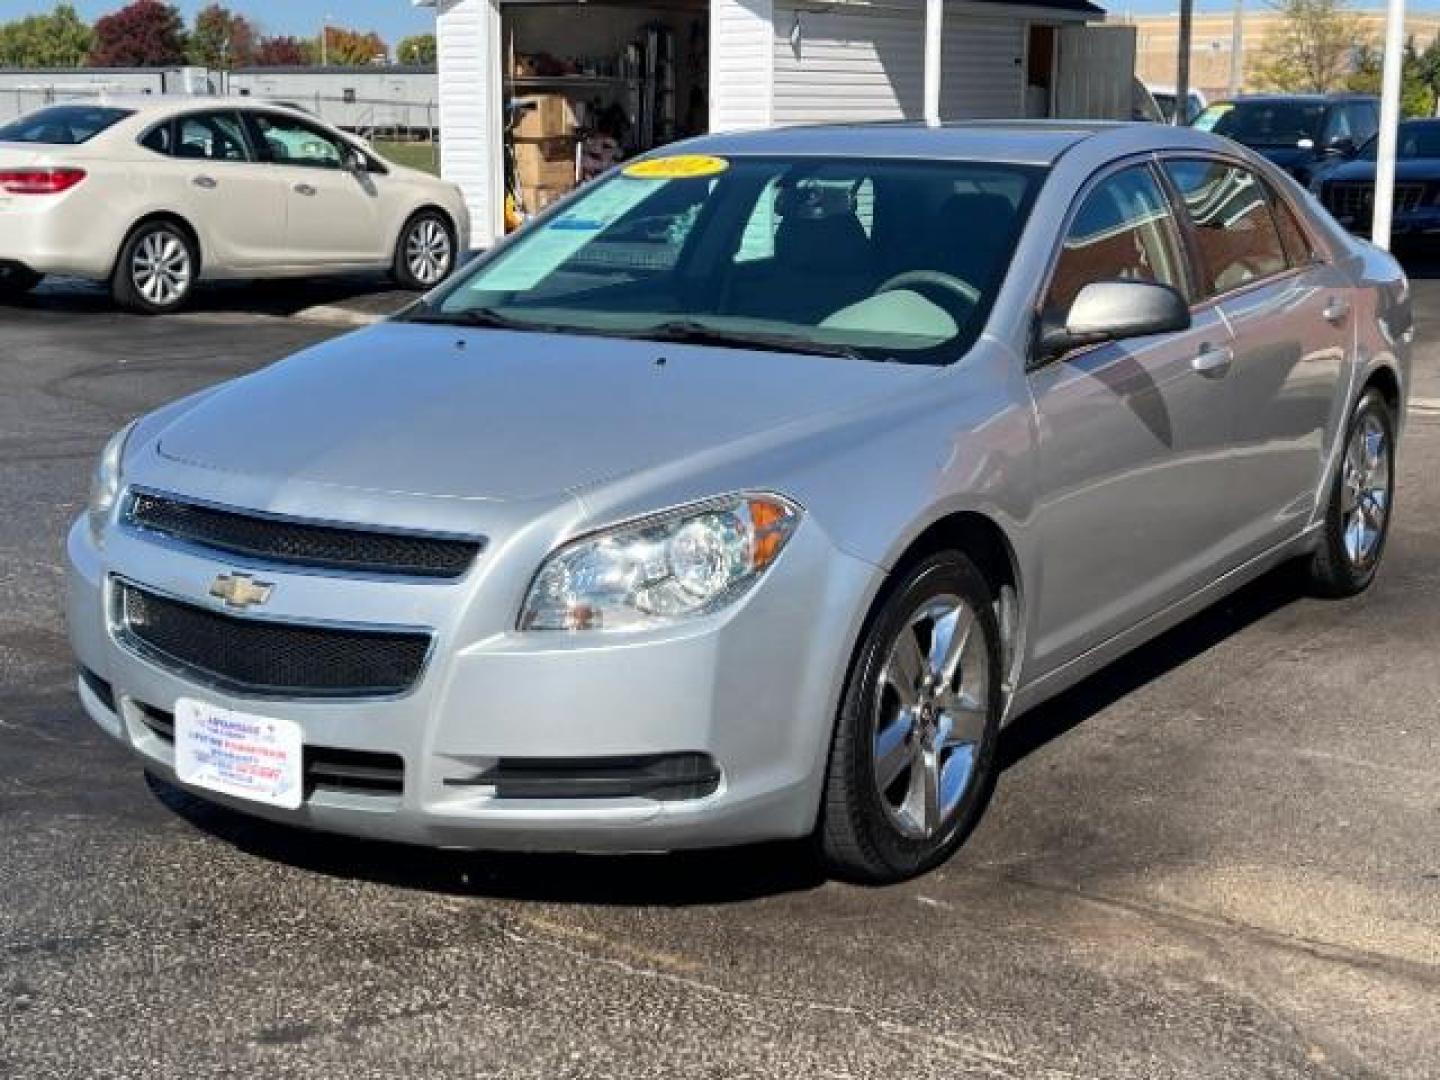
{"x": 1415, "y": 140}
{"x": 62, "y": 125}
{"x": 1264, "y": 123}
{"x": 893, "y": 260}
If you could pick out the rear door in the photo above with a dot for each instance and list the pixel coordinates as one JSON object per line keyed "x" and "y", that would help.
{"x": 205, "y": 168}
{"x": 1133, "y": 435}
{"x": 334, "y": 215}
{"x": 1289, "y": 312}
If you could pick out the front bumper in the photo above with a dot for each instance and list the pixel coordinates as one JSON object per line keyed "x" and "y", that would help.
{"x": 753, "y": 690}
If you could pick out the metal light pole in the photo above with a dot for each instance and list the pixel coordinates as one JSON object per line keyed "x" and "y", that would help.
{"x": 1182, "y": 63}
{"x": 934, "y": 37}
{"x": 1389, "y": 123}
{"x": 1237, "y": 47}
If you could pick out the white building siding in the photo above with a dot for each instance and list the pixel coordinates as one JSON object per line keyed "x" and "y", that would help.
{"x": 742, "y": 65}
{"x": 982, "y": 73}
{"x": 847, "y": 65}
{"x": 468, "y": 57}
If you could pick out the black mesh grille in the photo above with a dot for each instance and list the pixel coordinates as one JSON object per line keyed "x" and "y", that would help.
{"x": 302, "y": 543}
{"x": 255, "y": 656}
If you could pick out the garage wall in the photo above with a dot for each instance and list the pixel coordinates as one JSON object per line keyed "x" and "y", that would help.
{"x": 468, "y": 59}
{"x": 741, "y": 65}
{"x": 984, "y": 68}
{"x": 847, "y": 65}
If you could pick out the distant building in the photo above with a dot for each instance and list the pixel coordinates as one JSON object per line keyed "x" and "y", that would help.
{"x": 1158, "y": 40}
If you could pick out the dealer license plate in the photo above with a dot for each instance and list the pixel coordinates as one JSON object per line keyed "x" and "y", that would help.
{"x": 250, "y": 757}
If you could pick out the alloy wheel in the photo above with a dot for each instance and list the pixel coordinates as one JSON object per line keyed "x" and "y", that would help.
{"x": 930, "y": 716}
{"x": 428, "y": 251}
{"x": 161, "y": 268}
{"x": 1365, "y": 490}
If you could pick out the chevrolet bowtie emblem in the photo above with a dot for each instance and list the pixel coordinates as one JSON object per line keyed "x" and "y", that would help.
{"x": 241, "y": 590}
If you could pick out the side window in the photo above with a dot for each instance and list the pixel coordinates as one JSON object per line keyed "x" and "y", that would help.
{"x": 160, "y": 139}
{"x": 1123, "y": 231}
{"x": 210, "y": 137}
{"x": 1337, "y": 126}
{"x": 1364, "y": 121}
{"x": 285, "y": 141}
{"x": 1234, "y": 229}
{"x": 1298, "y": 248}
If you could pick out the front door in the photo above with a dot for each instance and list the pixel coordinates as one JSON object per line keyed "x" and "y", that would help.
{"x": 333, "y": 213}
{"x": 1132, "y": 434}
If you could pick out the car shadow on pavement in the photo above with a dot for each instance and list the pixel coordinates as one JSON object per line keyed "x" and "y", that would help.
{"x": 727, "y": 875}
{"x": 281, "y": 298}
{"x": 1172, "y": 649}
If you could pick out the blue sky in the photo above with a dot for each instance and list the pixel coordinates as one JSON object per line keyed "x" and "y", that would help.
{"x": 392, "y": 19}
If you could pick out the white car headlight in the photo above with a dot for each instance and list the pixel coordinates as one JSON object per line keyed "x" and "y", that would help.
{"x": 106, "y": 483}
{"x": 687, "y": 562}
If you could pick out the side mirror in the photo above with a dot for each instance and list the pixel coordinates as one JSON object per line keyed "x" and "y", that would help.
{"x": 1342, "y": 147}
{"x": 356, "y": 162}
{"x": 1113, "y": 311}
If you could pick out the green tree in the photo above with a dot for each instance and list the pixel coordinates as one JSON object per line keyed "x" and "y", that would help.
{"x": 1312, "y": 48}
{"x": 419, "y": 49}
{"x": 221, "y": 39}
{"x": 59, "y": 39}
{"x": 1417, "y": 93}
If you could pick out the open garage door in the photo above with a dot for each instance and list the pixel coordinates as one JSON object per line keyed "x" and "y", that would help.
{"x": 1095, "y": 72}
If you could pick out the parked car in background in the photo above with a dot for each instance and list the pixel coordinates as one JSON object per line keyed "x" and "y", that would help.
{"x": 748, "y": 493}
{"x": 1347, "y": 188}
{"x": 1298, "y": 132}
{"x": 155, "y": 195}
{"x": 1165, "y": 98}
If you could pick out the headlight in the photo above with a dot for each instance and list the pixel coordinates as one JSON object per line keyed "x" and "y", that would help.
{"x": 105, "y": 484}
{"x": 687, "y": 562}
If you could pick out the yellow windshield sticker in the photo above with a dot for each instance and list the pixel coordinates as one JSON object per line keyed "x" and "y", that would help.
{"x": 678, "y": 167}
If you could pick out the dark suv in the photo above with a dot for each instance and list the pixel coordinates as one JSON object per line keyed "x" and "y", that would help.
{"x": 1296, "y": 131}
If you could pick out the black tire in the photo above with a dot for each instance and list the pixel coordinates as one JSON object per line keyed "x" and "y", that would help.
{"x": 17, "y": 280}
{"x": 168, "y": 250}
{"x": 424, "y": 232}
{"x": 862, "y": 834}
{"x": 1342, "y": 566}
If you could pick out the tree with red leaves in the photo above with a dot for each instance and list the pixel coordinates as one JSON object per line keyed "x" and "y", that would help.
{"x": 146, "y": 33}
{"x": 284, "y": 52}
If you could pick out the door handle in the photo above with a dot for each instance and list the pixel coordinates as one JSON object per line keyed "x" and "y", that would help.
{"x": 1336, "y": 311}
{"x": 206, "y": 182}
{"x": 304, "y": 189}
{"x": 1213, "y": 362}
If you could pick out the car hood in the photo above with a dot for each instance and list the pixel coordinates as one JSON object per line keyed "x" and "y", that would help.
{"x": 1413, "y": 170}
{"x": 427, "y": 410}
{"x": 1287, "y": 157}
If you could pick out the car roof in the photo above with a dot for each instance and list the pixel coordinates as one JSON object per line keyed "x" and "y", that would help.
{"x": 155, "y": 106}
{"x": 1304, "y": 99}
{"x": 1016, "y": 142}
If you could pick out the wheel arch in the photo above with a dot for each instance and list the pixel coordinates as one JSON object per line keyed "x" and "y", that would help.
{"x": 1385, "y": 380}
{"x": 981, "y": 538}
{"x": 173, "y": 218}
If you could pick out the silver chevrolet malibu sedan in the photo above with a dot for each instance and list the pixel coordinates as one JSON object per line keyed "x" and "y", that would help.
{"x": 748, "y": 494}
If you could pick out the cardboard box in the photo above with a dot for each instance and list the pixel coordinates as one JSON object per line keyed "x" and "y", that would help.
{"x": 551, "y": 116}
{"x": 540, "y": 198}
{"x": 545, "y": 163}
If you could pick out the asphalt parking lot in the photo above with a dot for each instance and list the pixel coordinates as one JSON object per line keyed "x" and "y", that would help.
{"x": 1219, "y": 858}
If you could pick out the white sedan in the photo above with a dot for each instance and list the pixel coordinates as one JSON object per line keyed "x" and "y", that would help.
{"x": 156, "y": 195}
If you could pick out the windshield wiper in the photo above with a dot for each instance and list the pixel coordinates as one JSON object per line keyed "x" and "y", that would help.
{"x": 688, "y": 332}
{"x": 482, "y": 317}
